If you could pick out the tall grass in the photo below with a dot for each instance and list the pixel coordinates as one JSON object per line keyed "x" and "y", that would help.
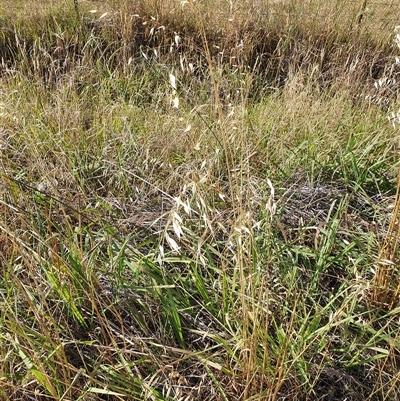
{"x": 194, "y": 197}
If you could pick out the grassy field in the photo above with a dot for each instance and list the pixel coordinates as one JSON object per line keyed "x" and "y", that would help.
{"x": 198, "y": 200}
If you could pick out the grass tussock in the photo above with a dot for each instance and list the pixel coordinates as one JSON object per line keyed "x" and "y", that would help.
{"x": 198, "y": 200}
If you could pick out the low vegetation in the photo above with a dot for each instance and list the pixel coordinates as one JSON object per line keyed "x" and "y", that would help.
{"x": 198, "y": 200}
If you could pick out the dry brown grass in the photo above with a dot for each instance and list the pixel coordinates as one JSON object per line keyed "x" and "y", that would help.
{"x": 216, "y": 249}
{"x": 387, "y": 284}
{"x": 322, "y": 44}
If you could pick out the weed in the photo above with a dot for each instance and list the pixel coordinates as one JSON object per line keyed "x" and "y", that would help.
{"x": 193, "y": 200}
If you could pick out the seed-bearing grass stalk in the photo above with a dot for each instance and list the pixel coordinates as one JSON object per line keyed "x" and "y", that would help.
{"x": 387, "y": 277}
{"x": 235, "y": 148}
{"x": 136, "y": 322}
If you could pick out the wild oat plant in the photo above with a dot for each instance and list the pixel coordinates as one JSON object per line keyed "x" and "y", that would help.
{"x": 198, "y": 201}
